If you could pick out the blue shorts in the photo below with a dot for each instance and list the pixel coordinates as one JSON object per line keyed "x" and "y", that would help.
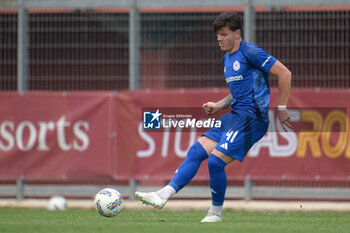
{"x": 237, "y": 134}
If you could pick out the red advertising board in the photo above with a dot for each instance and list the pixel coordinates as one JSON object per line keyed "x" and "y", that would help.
{"x": 300, "y": 154}
{"x": 47, "y": 135}
{"x": 51, "y": 135}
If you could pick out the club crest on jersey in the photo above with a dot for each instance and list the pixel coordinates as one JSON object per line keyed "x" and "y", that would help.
{"x": 236, "y": 66}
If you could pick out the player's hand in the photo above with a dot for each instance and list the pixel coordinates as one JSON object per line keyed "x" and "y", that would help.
{"x": 284, "y": 117}
{"x": 210, "y": 108}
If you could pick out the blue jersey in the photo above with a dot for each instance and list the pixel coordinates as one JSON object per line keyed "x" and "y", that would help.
{"x": 246, "y": 73}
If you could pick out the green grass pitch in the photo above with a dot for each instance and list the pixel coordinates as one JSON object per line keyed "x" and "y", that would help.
{"x": 84, "y": 221}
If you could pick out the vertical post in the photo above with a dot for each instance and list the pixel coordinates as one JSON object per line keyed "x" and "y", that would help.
{"x": 20, "y": 188}
{"x": 132, "y": 188}
{"x": 249, "y": 22}
{"x": 22, "y": 47}
{"x": 248, "y": 186}
{"x": 134, "y": 47}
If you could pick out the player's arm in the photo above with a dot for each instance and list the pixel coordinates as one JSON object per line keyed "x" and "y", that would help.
{"x": 284, "y": 77}
{"x": 211, "y": 108}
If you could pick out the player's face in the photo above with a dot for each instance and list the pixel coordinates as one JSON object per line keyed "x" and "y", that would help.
{"x": 227, "y": 39}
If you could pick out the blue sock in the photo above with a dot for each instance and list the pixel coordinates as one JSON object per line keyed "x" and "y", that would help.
{"x": 189, "y": 167}
{"x": 218, "y": 179}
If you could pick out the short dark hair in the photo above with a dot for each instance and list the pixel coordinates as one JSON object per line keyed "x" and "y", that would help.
{"x": 231, "y": 19}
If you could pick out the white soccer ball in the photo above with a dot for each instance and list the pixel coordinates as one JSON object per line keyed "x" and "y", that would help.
{"x": 109, "y": 202}
{"x": 57, "y": 203}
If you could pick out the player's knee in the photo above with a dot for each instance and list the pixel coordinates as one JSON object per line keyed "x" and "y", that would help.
{"x": 207, "y": 143}
{"x": 197, "y": 152}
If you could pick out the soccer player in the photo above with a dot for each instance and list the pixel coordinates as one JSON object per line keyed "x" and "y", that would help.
{"x": 246, "y": 69}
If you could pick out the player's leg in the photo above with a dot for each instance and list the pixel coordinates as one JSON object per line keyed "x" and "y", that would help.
{"x": 184, "y": 174}
{"x": 243, "y": 133}
{"x": 189, "y": 167}
{"x": 218, "y": 182}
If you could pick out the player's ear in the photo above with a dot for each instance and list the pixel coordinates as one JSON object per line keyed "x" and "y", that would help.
{"x": 237, "y": 33}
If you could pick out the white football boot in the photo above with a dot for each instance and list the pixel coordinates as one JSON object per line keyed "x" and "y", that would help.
{"x": 212, "y": 218}
{"x": 152, "y": 199}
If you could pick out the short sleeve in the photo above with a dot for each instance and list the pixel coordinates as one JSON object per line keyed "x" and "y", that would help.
{"x": 258, "y": 57}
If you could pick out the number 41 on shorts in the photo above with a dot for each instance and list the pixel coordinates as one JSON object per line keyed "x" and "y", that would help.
{"x": 231, "y": 135}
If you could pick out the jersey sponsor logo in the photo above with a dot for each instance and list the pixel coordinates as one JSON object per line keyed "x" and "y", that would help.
{"x": 266, "y": 61}
{"x": 236, "y": 65}
{"x": 234, "y": 78}
{"x": 224, "y": 146}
